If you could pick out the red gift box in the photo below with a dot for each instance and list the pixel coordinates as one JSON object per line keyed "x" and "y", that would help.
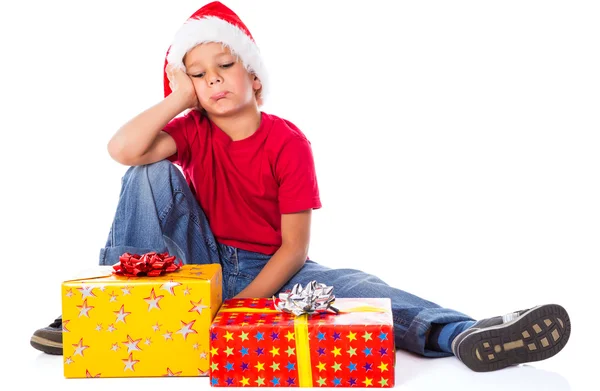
{"x": 254, "y": 344}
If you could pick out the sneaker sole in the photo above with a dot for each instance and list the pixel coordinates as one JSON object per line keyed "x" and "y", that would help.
{"x": 46, "y": 345}
{"x": 536, "y": 335}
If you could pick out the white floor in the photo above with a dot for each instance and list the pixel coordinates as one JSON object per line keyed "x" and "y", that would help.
{"x": 574, "y": 368}
{"x": 412, "y": 373}
{"x": 571, "y": 369}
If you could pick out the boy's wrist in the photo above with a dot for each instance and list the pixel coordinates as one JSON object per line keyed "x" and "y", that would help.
{"x": 178, "y": 101}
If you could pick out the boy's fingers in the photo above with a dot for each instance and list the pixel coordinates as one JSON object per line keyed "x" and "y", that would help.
{"x": 170, "y": 72}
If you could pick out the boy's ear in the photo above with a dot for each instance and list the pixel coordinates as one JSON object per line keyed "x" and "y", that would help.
{"x": 256, "y": 84}
{"x": 257, "y": 87}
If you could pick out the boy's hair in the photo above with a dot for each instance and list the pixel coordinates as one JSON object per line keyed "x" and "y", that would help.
{"x": 216, "y": 23}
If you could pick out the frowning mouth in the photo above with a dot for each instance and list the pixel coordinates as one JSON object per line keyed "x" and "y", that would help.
{"x": 219, "y": 95}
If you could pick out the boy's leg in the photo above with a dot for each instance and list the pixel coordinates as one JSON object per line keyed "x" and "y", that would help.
{"x": 412, "y": 315}
{"x": 156, "y": 212}
{"x": 425, "y": 328}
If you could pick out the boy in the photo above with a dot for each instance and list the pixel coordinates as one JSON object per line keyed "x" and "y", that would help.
{"x": 246, "y": 196}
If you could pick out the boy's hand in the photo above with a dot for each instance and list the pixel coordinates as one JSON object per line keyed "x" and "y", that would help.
{"x": 182, "y": 87}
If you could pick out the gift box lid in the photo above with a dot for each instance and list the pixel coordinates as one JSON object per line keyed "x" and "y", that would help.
{"x": 106, "y": 275}
{"x": 375, "y": 311}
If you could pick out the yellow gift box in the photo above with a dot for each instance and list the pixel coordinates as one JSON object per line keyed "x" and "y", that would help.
{"x": 118, "y": 326}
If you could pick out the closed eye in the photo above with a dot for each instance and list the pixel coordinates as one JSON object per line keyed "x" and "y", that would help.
{"x": 200, "y": 75}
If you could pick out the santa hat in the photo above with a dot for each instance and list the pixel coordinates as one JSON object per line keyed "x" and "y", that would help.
{"x": 216, "y": 23}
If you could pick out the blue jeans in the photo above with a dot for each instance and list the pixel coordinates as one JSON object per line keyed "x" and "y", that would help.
{"x": 158, "y": 212}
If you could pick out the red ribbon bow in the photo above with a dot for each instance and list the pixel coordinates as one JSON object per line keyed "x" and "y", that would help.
{"x": 151, "y": 264}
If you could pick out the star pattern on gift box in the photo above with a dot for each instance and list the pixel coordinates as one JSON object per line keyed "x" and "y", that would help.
{"x": 153, "y": 300}
{"x": 186, "y": 329}
{"x": 79, "y": 348}
{"x": 124, "y": 327}
{"x": 260, "y": 349}
{"x": 130, "y": 363}
{"x": 170, "y": 286}
{"x": 170, "y": 373}
{"x": 89, "y": 375}
{"x": 113, "y": 297}
{"x": 86, "y": 291}
{"x": 84, "y": 309}
{"x": 197, "y": 306}
{"x": 131, "y": 344}
{"x": 121, "y": 314}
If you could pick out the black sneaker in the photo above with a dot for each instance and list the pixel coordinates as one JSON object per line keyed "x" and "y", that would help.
{"x": 49, "y": 339}
{"x": 528, "y": 335}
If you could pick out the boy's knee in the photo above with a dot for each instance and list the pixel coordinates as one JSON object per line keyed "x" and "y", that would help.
{"x": 158, "y": 169}
{"x": 154, "y": 172}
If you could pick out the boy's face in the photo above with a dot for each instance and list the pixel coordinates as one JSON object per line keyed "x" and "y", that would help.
{"x": 222, "y": 83}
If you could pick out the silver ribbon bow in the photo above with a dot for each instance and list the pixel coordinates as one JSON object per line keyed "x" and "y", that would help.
{"x": 299, "y": 301}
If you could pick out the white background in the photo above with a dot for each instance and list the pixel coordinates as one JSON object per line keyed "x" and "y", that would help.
{"x": 456, "y": 146}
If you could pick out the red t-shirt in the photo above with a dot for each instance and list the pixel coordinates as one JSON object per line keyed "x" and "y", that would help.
{"x": 245, "y": 186}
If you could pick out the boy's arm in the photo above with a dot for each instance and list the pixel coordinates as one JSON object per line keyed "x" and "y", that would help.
{"x": 140, "y": 140}
{"x": 140, "y": 135}
{"x": 287, "y": 261}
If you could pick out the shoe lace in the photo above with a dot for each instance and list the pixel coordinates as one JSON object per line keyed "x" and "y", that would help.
{"x": 57, "y": 322}
{"x": 513, "y": 315}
